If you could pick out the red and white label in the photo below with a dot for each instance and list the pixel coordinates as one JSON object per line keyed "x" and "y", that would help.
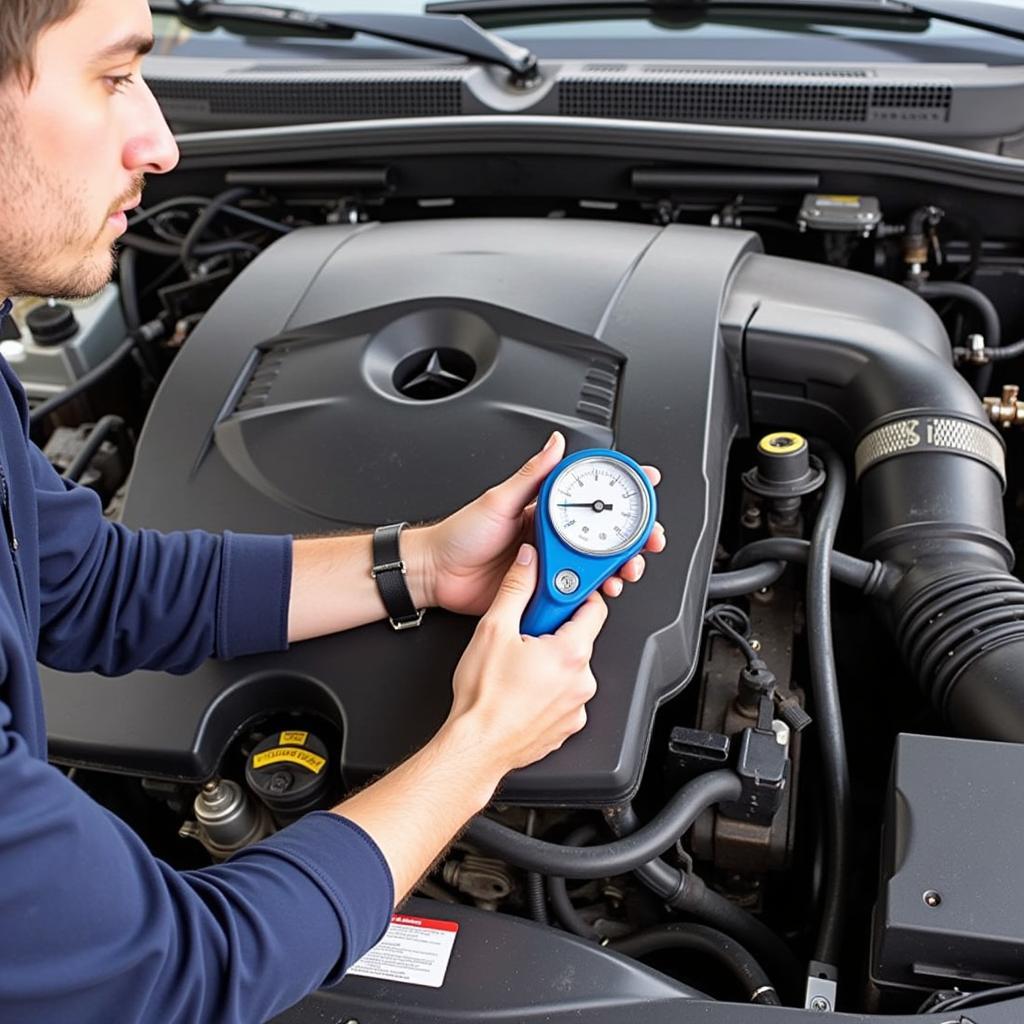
{"x": 414, "y": 951}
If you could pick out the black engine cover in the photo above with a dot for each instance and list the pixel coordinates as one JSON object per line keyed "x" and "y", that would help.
{"x": 353, "y": 376}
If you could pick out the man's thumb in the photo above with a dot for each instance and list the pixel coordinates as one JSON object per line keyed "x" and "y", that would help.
{"x": 514, "y": 493}
{"x": 517, "y": 587}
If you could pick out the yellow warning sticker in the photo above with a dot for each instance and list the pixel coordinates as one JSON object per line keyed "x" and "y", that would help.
{"x": 296, "y": 755}
{"x": 297, "y": 739}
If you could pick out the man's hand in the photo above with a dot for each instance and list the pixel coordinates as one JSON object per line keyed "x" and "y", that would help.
{"x": 516, "y": 699}
{"x": 466, "y": 555}
{"x": 525, "y": 695}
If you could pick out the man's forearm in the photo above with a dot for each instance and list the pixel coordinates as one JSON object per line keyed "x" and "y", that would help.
{"x": 415, "y": 811}
{"x": 332, "y": 588}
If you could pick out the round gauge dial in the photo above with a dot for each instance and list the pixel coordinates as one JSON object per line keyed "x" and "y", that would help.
{"x": 598, "y": 505}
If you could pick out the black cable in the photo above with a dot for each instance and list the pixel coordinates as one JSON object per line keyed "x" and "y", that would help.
{"x": 535, "y": 897}
{"x": 699, "y": 938}
{"x": 744, "y": 581}
{"x": 103, "y": 429}
{"x": 963, "y": 1000}
{"x": 152, "y": 331}
{"x": 734, "y": 624}
{"x": 203, "y": 221}
{"x": 155, "y": 248}
{"x": 558, "y": 892}
{"x": 617, "y": 857}
{"x": 825, "y": 689}
{"x": 235, "y": 211}
{"x": 688, "y": 894}
{"x": 535, "y": 901}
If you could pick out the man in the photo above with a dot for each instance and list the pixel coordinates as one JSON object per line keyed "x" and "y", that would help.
{"x": 95, "y": 929}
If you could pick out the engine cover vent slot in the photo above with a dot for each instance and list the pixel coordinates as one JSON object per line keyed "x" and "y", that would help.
{"x": 265, "y": 372}
{"x": 597, "y": 395}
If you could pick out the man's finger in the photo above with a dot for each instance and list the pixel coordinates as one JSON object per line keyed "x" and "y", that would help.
{"x": 656, "y": 542}
{"x": 586, "y": 621}
{"x": 511, "y": 496}
{"x": 653, "y": 474}
{"x": 516, "y": 588}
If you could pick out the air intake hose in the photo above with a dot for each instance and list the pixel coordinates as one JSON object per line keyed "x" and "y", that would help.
{"x": 931, "y": 470}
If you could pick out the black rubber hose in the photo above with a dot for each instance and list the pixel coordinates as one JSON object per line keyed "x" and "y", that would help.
{"x": 846, "y": 569}
{"x": 152, "y": 331}
{"x": 558, "y": 893}
{"x": 103, "y": 429}
{"x": 617, "y": 857}
{"x": 738, "y": 582}
{"x": 129, "y": 289}
{"x": 97, "y": 373}
{"x": 986, "y": 310}
{"x": 688, "y": 894}
{"x": 699, "y": 938}
{"x": 996, "y": 355}
{"x": 829, "y": 716}
{"x": 204, "y": 220}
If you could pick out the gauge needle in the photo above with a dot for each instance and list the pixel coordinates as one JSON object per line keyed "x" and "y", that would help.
{"x": 597, "y": 506}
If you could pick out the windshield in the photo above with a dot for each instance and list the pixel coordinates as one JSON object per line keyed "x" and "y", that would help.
{"x": 724, "y": 35}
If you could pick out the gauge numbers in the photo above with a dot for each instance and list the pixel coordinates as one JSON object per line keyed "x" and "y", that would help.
{"x": 598, "y": 506}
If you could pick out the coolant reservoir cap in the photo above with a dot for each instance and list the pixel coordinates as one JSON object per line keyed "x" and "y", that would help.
{"x": 288, "y": 771}
{"x": 51, "y": 323}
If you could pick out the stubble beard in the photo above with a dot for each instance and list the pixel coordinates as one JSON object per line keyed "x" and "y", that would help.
{"x": 48, "y": 248}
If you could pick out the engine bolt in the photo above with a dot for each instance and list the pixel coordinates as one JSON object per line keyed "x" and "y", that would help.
{"x": 751, "y": 518}
{"x": 819, "y": 1004}
{"x": 932, "y": 898}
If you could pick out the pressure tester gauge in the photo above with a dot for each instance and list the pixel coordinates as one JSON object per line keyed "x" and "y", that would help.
{"x": 595, "y": 511}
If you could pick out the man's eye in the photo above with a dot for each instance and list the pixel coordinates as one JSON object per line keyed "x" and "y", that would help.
{"x": 119, "y": 83}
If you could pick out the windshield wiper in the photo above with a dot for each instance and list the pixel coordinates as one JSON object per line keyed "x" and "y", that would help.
{"x": 1000, "y": 19}
{"x": 449, "y": 33}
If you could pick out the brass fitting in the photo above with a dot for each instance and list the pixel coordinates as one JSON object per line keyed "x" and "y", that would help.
{"x": 1006, "y": 410}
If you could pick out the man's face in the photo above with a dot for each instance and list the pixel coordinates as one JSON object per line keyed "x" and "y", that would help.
{"x": 74, "y": 146}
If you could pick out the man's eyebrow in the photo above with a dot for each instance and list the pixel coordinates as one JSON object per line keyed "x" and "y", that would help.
{"x": 133, "y": 46}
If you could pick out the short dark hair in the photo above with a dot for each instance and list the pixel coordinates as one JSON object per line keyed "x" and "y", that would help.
{"x": 21, "y": 21}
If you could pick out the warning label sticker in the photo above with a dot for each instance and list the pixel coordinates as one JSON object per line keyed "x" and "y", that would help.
{"x": 296, "y": 755}
{"x": 414, "y": 951}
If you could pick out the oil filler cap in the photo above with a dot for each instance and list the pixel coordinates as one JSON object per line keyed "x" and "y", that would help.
{"x": 288, "y": 771}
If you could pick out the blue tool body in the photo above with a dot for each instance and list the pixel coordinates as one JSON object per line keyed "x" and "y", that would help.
{"x": 595, "y": 511}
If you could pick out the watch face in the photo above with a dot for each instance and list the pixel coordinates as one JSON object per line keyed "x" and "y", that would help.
{"x": 598, "y": 505}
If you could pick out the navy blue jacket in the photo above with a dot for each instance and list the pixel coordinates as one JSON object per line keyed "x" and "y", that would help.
{"x": 94, "y": 928}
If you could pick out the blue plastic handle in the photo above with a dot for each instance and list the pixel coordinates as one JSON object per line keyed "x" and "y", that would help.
{"x": 549, "y": 608}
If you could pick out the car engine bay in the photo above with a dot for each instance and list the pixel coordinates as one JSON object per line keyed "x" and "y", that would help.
{"x": 798, "y": 782}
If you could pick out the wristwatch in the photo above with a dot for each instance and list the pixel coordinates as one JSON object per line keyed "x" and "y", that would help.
{"x": 389, "y": 573}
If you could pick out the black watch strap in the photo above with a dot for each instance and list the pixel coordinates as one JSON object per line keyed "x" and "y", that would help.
{"x": 389, "y": 573}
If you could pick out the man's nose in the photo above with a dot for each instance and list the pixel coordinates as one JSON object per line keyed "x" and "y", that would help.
{"x": 150, "y": 148}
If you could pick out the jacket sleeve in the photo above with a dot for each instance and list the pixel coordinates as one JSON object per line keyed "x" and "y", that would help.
{"x": 113, "y": 599}
{"x": 99, "y": 930}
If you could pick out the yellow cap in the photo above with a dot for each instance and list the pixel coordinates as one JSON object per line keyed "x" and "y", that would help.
{"x": 782, "y": 442}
